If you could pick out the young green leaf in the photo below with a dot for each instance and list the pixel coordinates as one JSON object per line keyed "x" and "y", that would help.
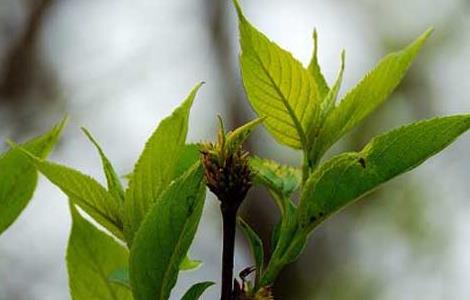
{"x": 283, "y": 180}
{"x": 347, "y": 177}
{"x": 283, "y": 239}
{"x": 362, "y": 100}
{"x": 157, "y": 165}
{"x": 278, "y": 86}
{"x": 114, "y": 183}
{"x": 315, "y": 70}
{"x": 92, "y": 256}
{"x": 256, "y": 246}
{"x": 196, "y": 291}
{"x": 237, "y": 137}
{"x": 165, "y": 236}
{"x": 18, "y": 177}
{"x": 329, "y": 101}
{"x": 85, "y": 192}
{"x": 189, "y": 264}
{"x": 326, "y": 107}
{"x": 188, "y": 157}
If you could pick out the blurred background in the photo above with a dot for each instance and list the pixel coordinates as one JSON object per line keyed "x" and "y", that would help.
{"x": 118, "y": 67}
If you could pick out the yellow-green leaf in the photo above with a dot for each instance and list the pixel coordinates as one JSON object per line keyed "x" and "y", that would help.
{"x": 189, "y": 264}
{"x": 85, "y": 192}
{"x": 157, "y": 165}
{"x": 278, "y": 86}
{"x": 112, "y": 179}
{"x": 315, "y": 70}
{"x": 363, "y": 99}
{"x": 349, "y": 176}
{"x": 282, "y": 179}
{"x": 164, "y": 238}
{"x": 92, "y": 256}
{"x": 18, "y": 176}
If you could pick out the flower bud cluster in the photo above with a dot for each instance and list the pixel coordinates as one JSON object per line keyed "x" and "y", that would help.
{"x": 227, "y": 172}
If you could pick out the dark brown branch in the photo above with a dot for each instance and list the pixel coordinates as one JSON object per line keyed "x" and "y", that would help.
{"x": 19, "y": 66}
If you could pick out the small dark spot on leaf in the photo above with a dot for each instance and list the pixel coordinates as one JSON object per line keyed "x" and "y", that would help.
{"x": 362, "y": 162}
{"x": 313, "y": 219}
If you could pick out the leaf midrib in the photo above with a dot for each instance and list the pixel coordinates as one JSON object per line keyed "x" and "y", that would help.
{"x": 172, "y": 258}
{"x": 298, "y": 126}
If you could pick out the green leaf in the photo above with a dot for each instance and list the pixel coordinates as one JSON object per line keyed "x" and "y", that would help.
{"x": 326, "y": 107}
{"x": 237, "y": 137}
{"x": 120, "y": 276}
{"x": 85, "y": 192}
{"x": 157, "y": 165}
{"x": 114, "y": 183}
{"x": 18, "y": 177}
{"x": 363, "y": 99}
{"x": 189, "y": 156}
{"x": 349, "y": 176}
{"x": 315, "y": 70}
{"x": 276, "y": 231}
{"x": 284, "y": 236}
{"x": 278, "y": 87}
{"x": 256, "y": 246}
{"x": 283, "y": 180}
{"x": 91, "y": 256}
{"x": 196, "y": 291}
{"x": 165, "y": 236}
{"x": 329, "y": 101}
{"x": 190, "y": 264}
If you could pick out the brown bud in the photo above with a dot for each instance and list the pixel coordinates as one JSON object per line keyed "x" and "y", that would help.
{"x": 227, "y": 174}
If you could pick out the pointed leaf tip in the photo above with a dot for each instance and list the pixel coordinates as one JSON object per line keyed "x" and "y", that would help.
{"x": 18, "y": 176}
{"x": 162, "y": 149}
{"x": 373, "y": 89}
{"x": 343, "y": 58}
{"x": 62, "y": 123}
{"x": 315, "y": 41}
{"x": 238, "y": 9}
{"x": 428, "y": 32}
{"x": 192, "y": 94}
{"x": 419, "y": 42}
{"x": 112, "y": 179}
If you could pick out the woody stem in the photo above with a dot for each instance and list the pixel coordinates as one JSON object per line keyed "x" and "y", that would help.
{"x": 229, "y": 215}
